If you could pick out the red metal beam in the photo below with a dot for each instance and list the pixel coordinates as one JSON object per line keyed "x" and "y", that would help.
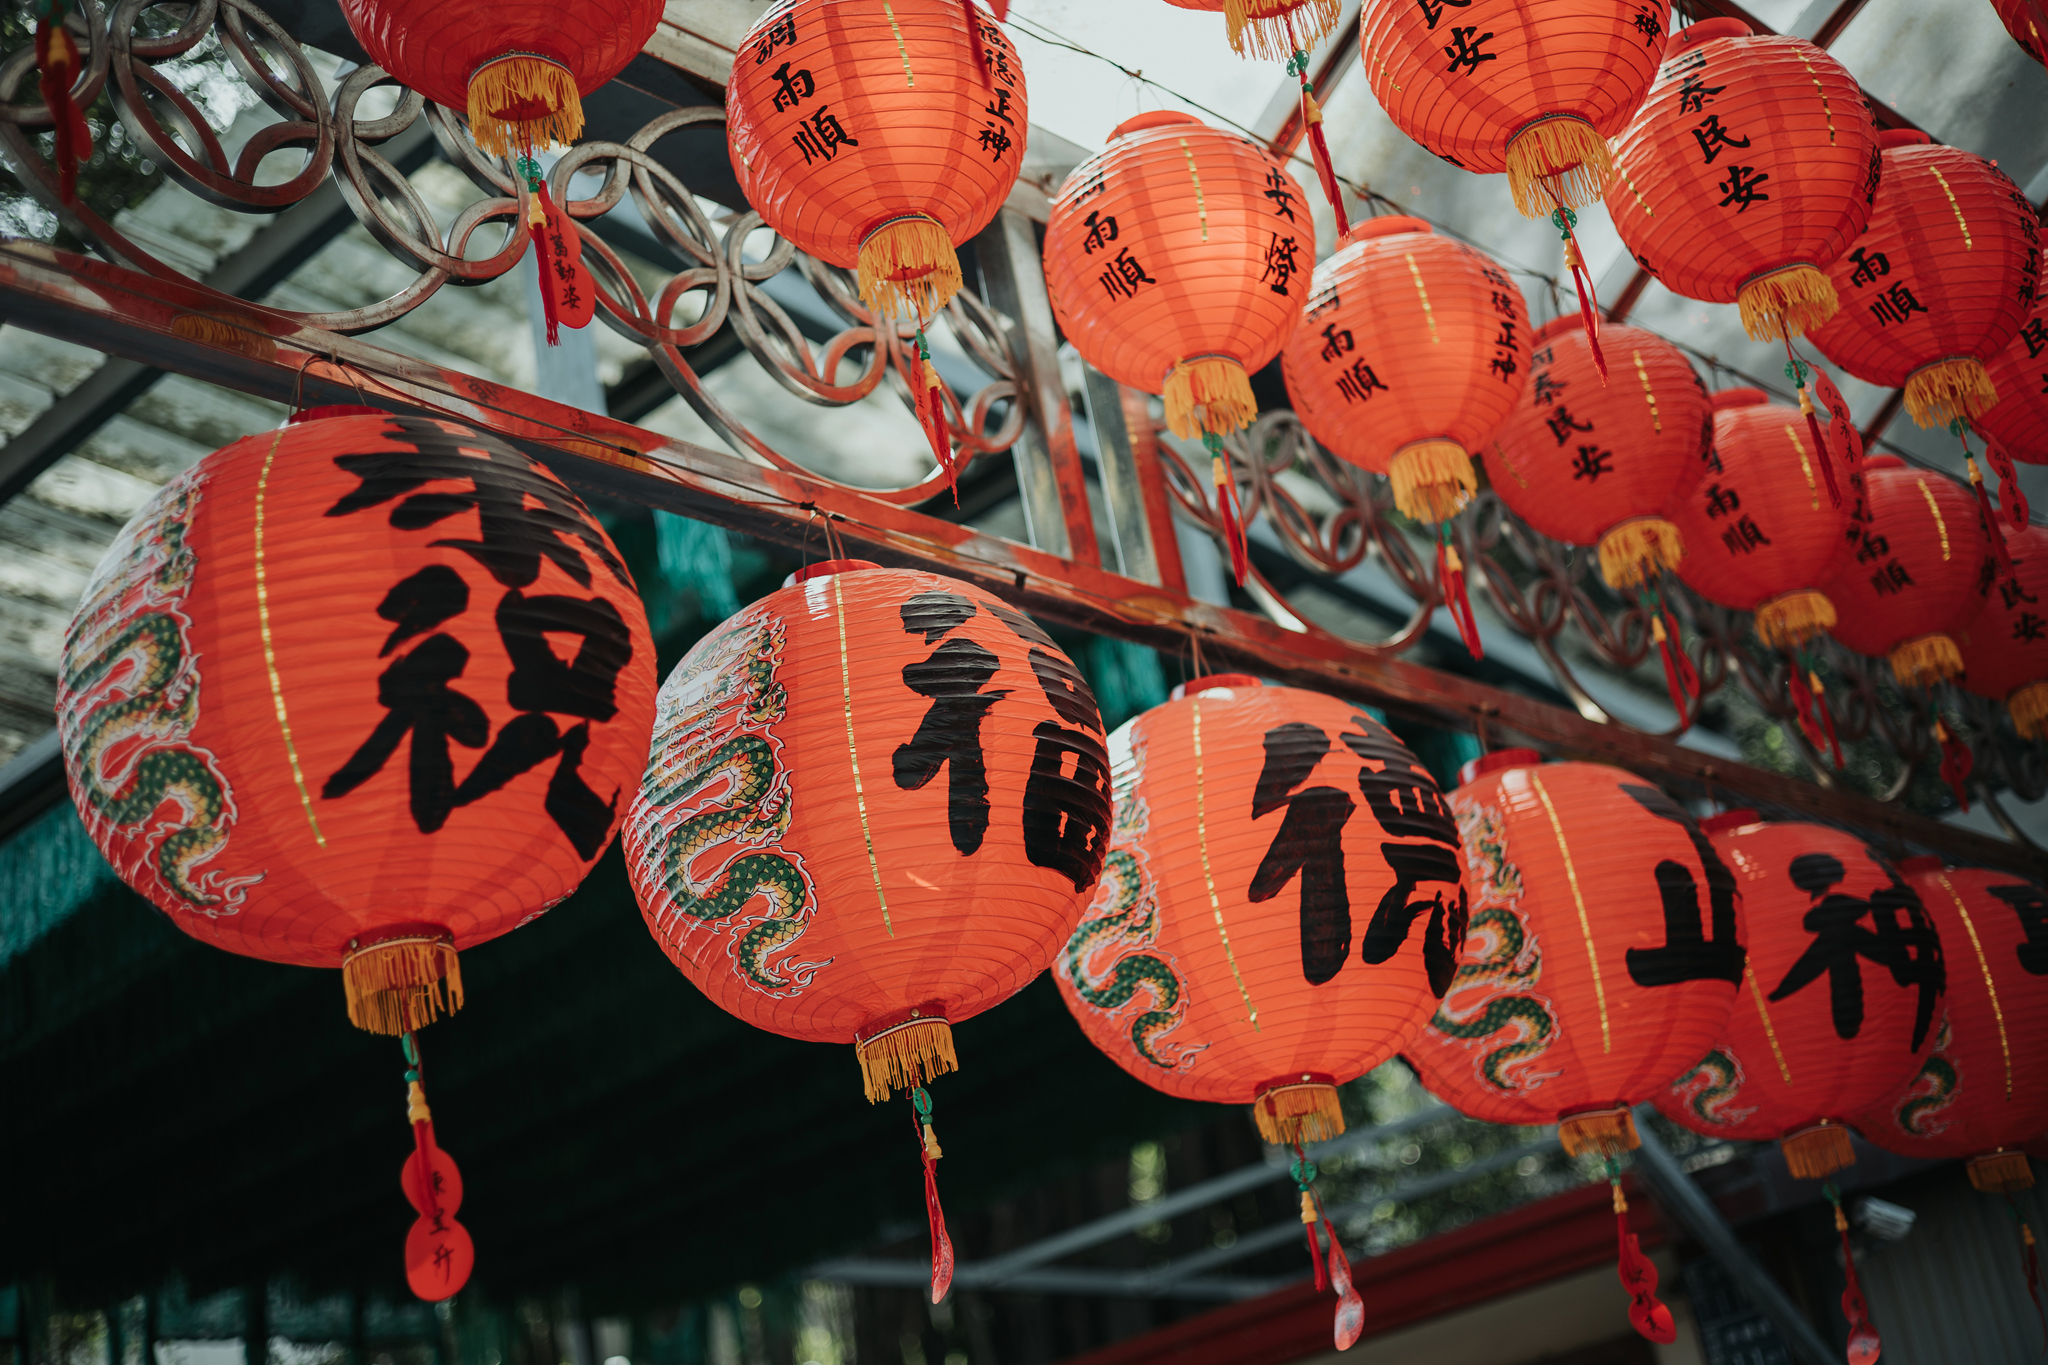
{"x": 1831, "y": 27}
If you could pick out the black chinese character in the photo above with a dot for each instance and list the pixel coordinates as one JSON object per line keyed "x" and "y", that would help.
{"x": 1001, "y": 108}
{"x": 1562, "y": 424}
{"x": 2029, "y": 627}
{"x": 1743, "y": 537}
{"x": 1591, "y": 462}
{"x": 1543, "y": 389}
{"x": 1695, "y": 94}
{"x": 1066, "y": 814}
{"x": 1909, "y": 953}
{"x": 949, "y": 736}
{"x": 1649, "y": 25}
{"x": 1466, "y": 51}
{"x": 1281, "y": 193}
{"x": 794, "y": 87}
{"x": 1335, "y": 342}
{"x": 1712, "y": 137}
{"x": 1122, "y": 276}
{"x": 1433, "y": 10}
{"x": 1310, "y": 841}
{"x": 1503, "y": 365}
{"x": 1896, "y": 304}
{"x": 2035, "y": 333}
{"x": 1869, "y": 265}
{"x": 1282, "y": 263}
{"x": 1507, "y": 335}
{"x": 2012, "y": 592}
{"x": 1721, "y": 500}
{"x": 1406, "y": 801}
{"x": 2026, "y": 902}
{"x": 994, "y": 140}
{"x": 1358, "y": 382}
{"x": 780, "y": 34}
{"x": 1101, "y": 231}
{"x": 1891, "y": 579}
{"x": 821, "y": 138}
{"x": 1686, "y": 956}
{"x": 1872, "y": 547}
{"x": 1740, "y": 188}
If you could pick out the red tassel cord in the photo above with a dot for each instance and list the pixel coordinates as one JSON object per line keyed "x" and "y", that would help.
{"x": 1796, "y": 371}
{"x": 2030, "y": 1262}
{"x": 928, "y": 1145}
{"x": 439, "y": 1255}
{"x": 1450, "y": 575}
{"x": 1681, "y": 679}
{"x": 1956, "y": 762}
{"x": 58, "y": 64}
{"x": 1350, "y": 1317}
{"x": 1864, "y": 1344}
{"x": 1986, "y": 516}
{"x": 928, "y": 400}
{"x": 537, "y": 231}
{"x": 1227, "y": 507}
{"x": 1304, "y": 1172}
{"x": 1319, "y": 146}
{"x": 1589, "y": 306}
{"x": 2010, "y": 496}
{"x": 1809, "y": 702}
{"x": 1646, "y": 1313}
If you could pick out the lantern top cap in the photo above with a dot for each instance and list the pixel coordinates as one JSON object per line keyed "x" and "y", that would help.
{"x": 1495, "y": 761}
{"x": 1921, "y": 862}
{"x": 1739, "y": 398}
{"x": 327, "y": 410}
{"x": 1195, "y": 686}
{"x": 1706, "y": 30}
{"x": 1888, "y": 138}
{"x": 826, "y": 568}
{"x": 1155, "y": 118}
{"x": 1384, "y": 227}
{"x": 1729, "y": 819}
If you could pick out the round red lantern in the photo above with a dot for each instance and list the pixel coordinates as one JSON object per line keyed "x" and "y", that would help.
{"x": 1593, "y": 462}
{"x": 1272, "y": 30}
{"x": 878, "y": 137}
{"x": 1532, "y": 87}
{"x": 1760, "y": 531}
{"x": 1413, "y": 351}
{"x": 1939, "y": 281}
{"x": 1978, "y": 1095}
{"x": 2027, "y": 22}
{"x": 1921, "y": 570}
{"x": 2005, "y": 649}
{"x": 2018, "y": 421}
{"x": 519, "y": 67}
{"x": 876, "y": 802}
{"x": 1750, "y": 167}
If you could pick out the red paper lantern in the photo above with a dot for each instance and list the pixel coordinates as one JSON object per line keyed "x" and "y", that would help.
{"x": 1595, "y": 462}
{"x": 1532, "y": 87}
{"x": 1272, "y": 30}
{"x": 878, "y": 137}
{"x": 1979, "y": 1095}
{"x": 2027, "y": 22}
{"x": 2005, "y": 649}
{"x": 2018, "y": 421}
{"x": 1921, "y": 570}
{"x": 1761, "y": 532}
{"x": 1938, "y": 283}
{"x": 519, "y": 67}
{"x": 1839, "y": 1000}
{"x": 1750, "y": 167}
{"x": 1413, "y": 351}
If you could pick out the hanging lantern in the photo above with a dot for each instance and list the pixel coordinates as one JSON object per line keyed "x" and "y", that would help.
{"x": 878, "y": 137}
{"x": 1938, "y": 283}
{"x": 1573, "y": 1000}
{"x": 1257, "y": 828}
{"x": 2027, "y": 22}
{"x": 875, "y": 805}
{"x": 1272, "y": 30}
{"x": 2005, "y": 649}
{"x": 1750, "y": 167}
{"x": 268, "y": 686}
{"x": 1761, "y": 533}
{"x": 1922, "y": 567}
{"x": 2018, "y": 421}
{"x": 1173, "y": 258}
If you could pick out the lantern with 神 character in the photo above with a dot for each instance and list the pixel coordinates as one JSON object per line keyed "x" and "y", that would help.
{"x": 2005, "y": 649}
{"x": 1605, "y": 946}
{"x": 875, "y": 805}
{"x": 312, "y": 707}
{"x": 1279, "y": 912}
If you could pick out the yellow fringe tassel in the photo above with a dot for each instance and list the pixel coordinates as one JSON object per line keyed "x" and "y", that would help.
{"x": 1218, "y": 387}
{"x": 395, "y": 986}
{"x": 1787, "y": 302}
{"x": 1937, "y": 394}
{"x": 2001, "y": 1173}
{"x": 1432, "y": 479}
{"x": 907, "y": 1055}
{"x": 1602, "y": 1132}
{"x": 907, "y": 268}
{"x": 2029, "y": 707}
{"x": 523, "y": 101}
{"x": 1562, "y": 155}
{"x": 1817, "y": 1152}
{"x": 1792, "y": 619}
{"x": 1927, "y": 660}
{"x": 1638, "y": 550}
{"x": 1307, "y": 1112}
{"x": 1259, "y": 28}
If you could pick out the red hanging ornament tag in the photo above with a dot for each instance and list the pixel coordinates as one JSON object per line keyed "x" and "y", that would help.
{"x": 1646, "y": 1313}
{"x": 1802, "y": 707}
{"x": 1956, "y": 763}
{"x": 2010, "y": 495}
{"x": 575, "y": 300}
{"x": 1227, "y": 509}
{"x": 58, "y": 64}
{"x": 928, "y": 1149}
{"x": 1864, "y": 1343}
{"x": 1589, "y": 304}
{"x": 1848, "y": 442}
{"x": 1827, "y": 717}
{"x": 1450, "y": 575}
{"x": 439, "y": 1255}
{"x": 928, "y": 401}
{"x": 1318, "y": 145}
{"x": 1349, "y": 1323}
{"x": 2030, "y": 1262}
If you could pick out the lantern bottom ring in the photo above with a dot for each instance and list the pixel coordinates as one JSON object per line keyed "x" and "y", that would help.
{"x": 1208, "y": 392}
{"x": 905, "y": 1052}
{"x": 1607, "y": 1131}
{"x": 1432, "y": 479}
{"x": 1557, "y": 160}
{"x": 521, "y": 99}
{"x": 1785, "y": 301}
{"x": 1290, "y": 1110}
{"x": 1637, "y": 550}
{"x": 1818, "y": 1151}
{"x": 395, "y": 984}
{"x": 906, "y": 266}
{"x": 1954, "y": 386}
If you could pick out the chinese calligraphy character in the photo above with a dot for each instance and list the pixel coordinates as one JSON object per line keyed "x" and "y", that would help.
{"x": 1695, "y": 94}
{"x": 2014, "y": 592}
{"x": 2026, "y": 902}
{"x": 1122, "y": 276}
{"x": 1504, "y": 366}
{"x": 1712, "y": 137}
{"x": 1001, "y": 108}
{"x": 2029, "y": 627}
{"x": 1562, "y": 424}
{"x": 1743, "y": 537}
{"x": 1873, "y": 547}
{"x": 1309, "y": 842}
{"x": 1433, "y": 10}
{"x": 1335, "y": 342}
{"x": 1869, "y": 265}
{"x": 1896, "y": 304}
{"x": 1282, "y": 195}
{"x": 994, "y": 141}
{"x": 1282, "y": 263}
{"x": 1466, "y": 51}
{"x": 1591, "y": 462}
{"x": 1101, "y": 231}
{"x": 1891, "y": 579}
{"x": 949, "y": 736}
{"x": 1066, "y": 814}
{"x": 1648, "y": 24}
{"x": 781, "y": 34}
{"x": 2035, "y": 333}
{"x": 1686, "y": 955}
{"x": 1839, "y": 939}
{"x": 1507, "y": 335}
{"x": 793, "y": 87}
{"x": 1544, "y": 390}
{"x": 1358, "y": 382}
{"x": 1740, "y": 188}
{"x": 822, "y": 136}
{"x": 1405, "y": 800}
{"x": 1720, "y": 500}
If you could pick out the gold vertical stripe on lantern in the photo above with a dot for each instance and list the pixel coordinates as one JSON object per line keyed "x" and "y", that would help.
{"x": 1571, "y": 873}
{"x": 284, "y": 723}
{"x": 860, "y": 796}
{"x": 1251, "y": 1011}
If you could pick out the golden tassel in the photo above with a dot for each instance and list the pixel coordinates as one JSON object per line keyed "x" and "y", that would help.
{"x": 1926, "y": 660}
{"x": 2001, "y": 1173}
{"x": 907, "y": 268}
{"x": 2029, "y": 707}
{"x": 1602, "y": 1132}
{"x": 1793, "y": 618}
{"x": 395, "y": 986}
{"x": 1560, "y": 159}
{"x": 521, "y": 101}
{"x": 1432, "y": 479}
{"x": 1817, "y": 1152}
{"x": 1638, "y": 550}
{"x": 1938, "y": 394}
{"x": 1303, "y": 1112}
{"x": 1789, "y": 301}
{"x": 1215, "y": 384}
{"x": 1260, "y": 28}
{"x": 905, "y": 1055}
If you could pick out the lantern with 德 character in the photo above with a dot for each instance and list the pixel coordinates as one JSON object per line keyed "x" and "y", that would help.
{"x": 1279, "y": 912}
{"x": 2005, "y": 649}
{"x": 312, "y": 708}
{"x": 876, "y": 802}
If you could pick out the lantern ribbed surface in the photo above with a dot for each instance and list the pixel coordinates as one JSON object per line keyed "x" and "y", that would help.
{"x": 1272, "y": 30}
{"x": 1938, "y": 283}
{"x": 2005, "y": 648}
{"x": 310, "y": 706}
{"x": 1840, "y": 1002}
{"x": 1980, "y": 1092}
{"x": 1919, "y": 575}
{"x": 1761, "y": 533}
{"x": 866, "y": 135}
{"x": 1414, "y": 350}
{"x": 1751, "y": 166}
{"x": 1531, "y": 87}
{"x": 1605, "y": 946}
{"x": 2027, "y": 23}
{"x": 1178, "y": 259}
{"x": 1281, "y": 890}
{"x": 1596, "y": 463}
{"x": 876, "y": 801}
{"x": 2018, "y": 421}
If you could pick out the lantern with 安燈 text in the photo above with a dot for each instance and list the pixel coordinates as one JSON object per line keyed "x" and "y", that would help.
{"x": 2005, "y": 648}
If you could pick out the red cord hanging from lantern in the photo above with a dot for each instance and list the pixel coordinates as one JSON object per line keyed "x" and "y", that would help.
{"x": 266, "y": 692}
{"x": 876, "y": 802}
{"x": 2005, "y": 649}
{"x": 1280, "y": 910}
{"x": 1921, "y": 570}
{"x": 1939, "y": 281}
{"x": 2018, "y": 421}
{"x": 59, "y": 66}
{"x": 1750, "y": 167}
{"x": 879, "y": 137}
